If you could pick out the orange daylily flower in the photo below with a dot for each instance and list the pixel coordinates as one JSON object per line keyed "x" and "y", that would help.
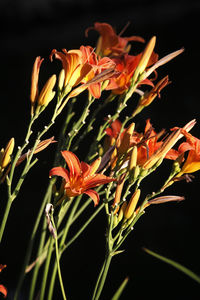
{"x": 80, "y": 177}
{"x": 167, "y": 145}
{"x": 98, "y": 66}
{"x": 3, "y": 289}
{"x": 74, "y": 65}
{"x": 126, "y": 65}
{"x": 148, "y": 144}
{"x": 192, "y": 163}
{"x": 109, "y": 42}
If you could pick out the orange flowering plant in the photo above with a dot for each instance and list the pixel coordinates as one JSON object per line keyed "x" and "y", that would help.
{"x": 101, "y": 157}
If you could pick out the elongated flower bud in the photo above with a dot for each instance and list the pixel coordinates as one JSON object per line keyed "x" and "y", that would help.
{"x": 61, "y": 79}
{"x": 118, "y": 193}
{"x": 133, "y": 159}
{"x": 34, "y": 82}
{"x": 34, "y": 79}
{"x": 7, "y": 153}
{"x": 145, "y": 58}
{"x": 47, "y": 93}
{"x": 132, "y": 204}
{"x": 121, "y": 212}
{"x": 125, "y": 143}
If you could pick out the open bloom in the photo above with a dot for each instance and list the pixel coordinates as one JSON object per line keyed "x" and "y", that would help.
{"x": 74, "y": 65}
{"x": 192, "y": 163}
{"x": 98, "y": 66}
{"x": 109, "y": 42}
{"x": 80, "y": 177}
{"x": 167, "y": 145}
{"x": 127, "y": 65}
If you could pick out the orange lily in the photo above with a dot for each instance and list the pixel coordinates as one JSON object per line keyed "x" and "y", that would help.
{"x": 109, "y": 42}
{"x": 98, "y": 66}
{"x": 127, "y": 65}
{"x": 148, "y": 144}
{"x": 80, "y": 177}
{"x": 167, "y": 145}
{"x": 192, "y": 163}
{"x": 74, "y": 65}
{"x": 3, "y": 289}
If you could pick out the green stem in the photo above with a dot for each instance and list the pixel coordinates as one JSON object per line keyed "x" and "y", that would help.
{"x": 104, "y": 270}
{"x": 58, "y": 264}
{"x": 32, "y": 238}
{"x": 46, "y": 269}
{"x": 102, "y": 277}
{"x": 78, "y": 125}
{"x": 5, "y": 217}
{"x": 66, "y": 230}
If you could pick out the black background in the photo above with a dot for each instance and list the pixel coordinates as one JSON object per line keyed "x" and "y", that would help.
{"x": 32, "y": 28}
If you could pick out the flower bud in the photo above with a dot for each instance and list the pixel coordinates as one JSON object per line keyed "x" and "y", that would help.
{"x": 121, "y": 212}
{"x": 125, "y": 143}
{"x": 132, "y": 204}
{"x": 7, "y": 153}
{"x": 133, "y": 159}
{"x": 47, "y": 93}
{"x": 61, "y": 79}
{"x": 145, "y": 58}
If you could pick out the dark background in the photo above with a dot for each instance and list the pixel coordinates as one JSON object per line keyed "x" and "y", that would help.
{"x": 32, "y": 28}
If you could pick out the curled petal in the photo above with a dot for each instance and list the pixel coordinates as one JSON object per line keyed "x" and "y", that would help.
{"x": 94, "y": 195}
{"x": 60, "y": 171}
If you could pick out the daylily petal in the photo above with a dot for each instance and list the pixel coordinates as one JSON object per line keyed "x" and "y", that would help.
{"x": 94, "y": 195}
{"x": 96, "y": 180}
{"x": 60, "y": 171}
{"x": 85, "y": 169}
{"x": 3, "y": 290}
{"x": 72, "y": 162}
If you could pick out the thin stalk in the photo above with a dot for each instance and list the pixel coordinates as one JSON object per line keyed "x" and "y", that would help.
{"x": 58, "y": 263}
{"x": 46, "y": 269}
{"x": 66, "y": 230}
{"x": 32, "y": 238}
{"x": 102, "y": 277}
{"x": 37, "y": 266}
{"x": 104, "y": 270}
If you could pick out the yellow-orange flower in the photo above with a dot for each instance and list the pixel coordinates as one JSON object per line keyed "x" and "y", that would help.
{"x": 80, "y": 177}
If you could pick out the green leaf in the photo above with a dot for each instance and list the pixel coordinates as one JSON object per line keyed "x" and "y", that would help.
{"x": 120, "y": 289}
{"x": 175, "y": 264}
